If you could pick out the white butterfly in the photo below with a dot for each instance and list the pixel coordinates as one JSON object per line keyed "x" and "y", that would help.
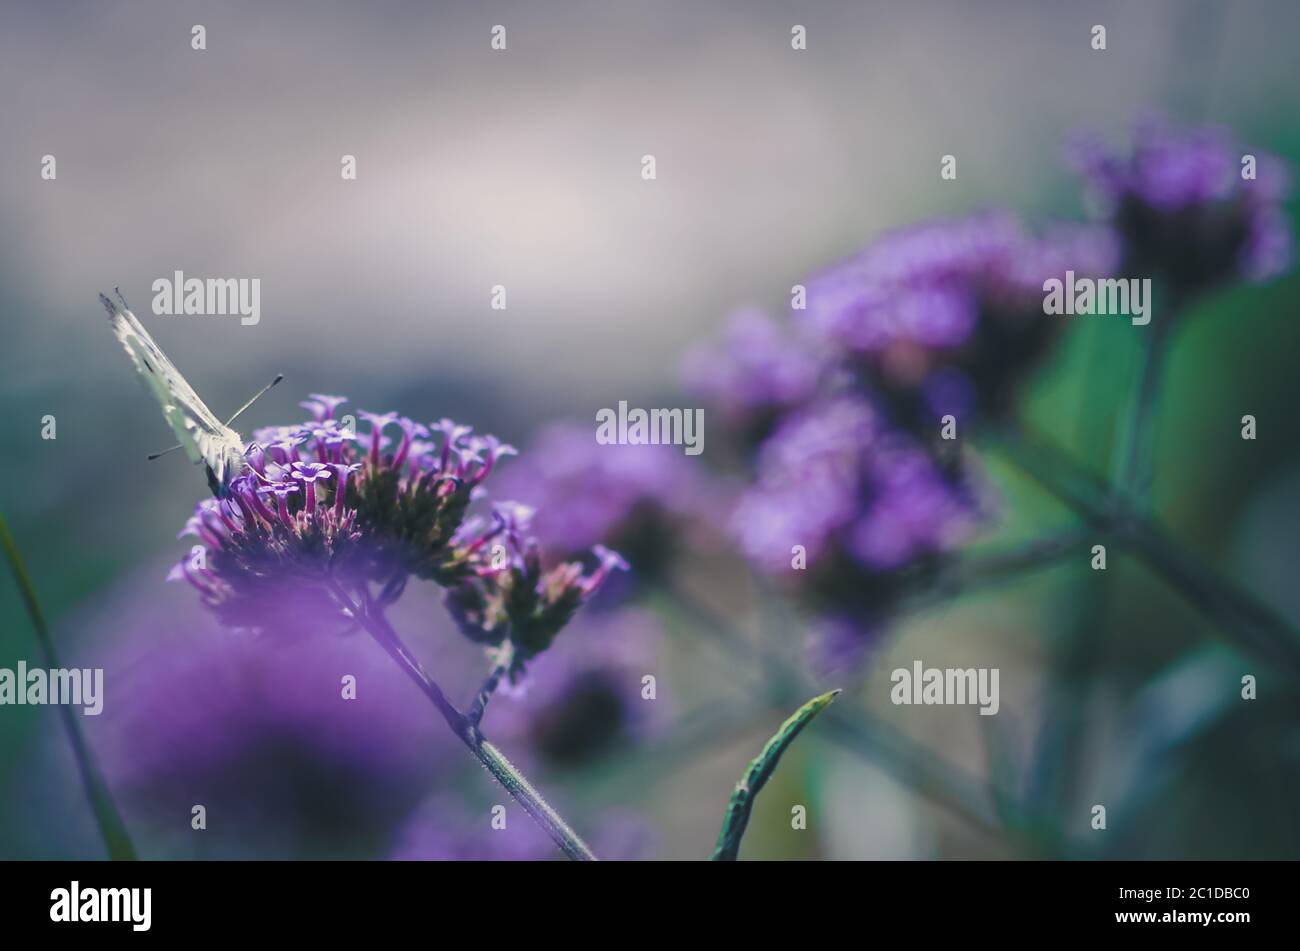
{"x": 204, "y": 438}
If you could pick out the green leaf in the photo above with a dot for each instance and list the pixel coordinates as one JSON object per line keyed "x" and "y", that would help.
{"x": 759, "y": 772}
{"x": 107, "y": 817}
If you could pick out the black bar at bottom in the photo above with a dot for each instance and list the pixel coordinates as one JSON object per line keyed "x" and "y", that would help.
{"x": 330, "y": 901}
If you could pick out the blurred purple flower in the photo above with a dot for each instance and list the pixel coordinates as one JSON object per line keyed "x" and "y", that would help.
{"x": 756, "y": 371}
{"x": 585, "y": 697}
{"x": 849, "y": 511}
{"x": 1184, "y": 210}
{"x": 806, "y": 486}
{"x": 322, "y": 405}
{"x": 837, "y": 643}
{"x": 636, "y": 499}
{"x": 947, "y": 317}
{"x": 257, "y": 731}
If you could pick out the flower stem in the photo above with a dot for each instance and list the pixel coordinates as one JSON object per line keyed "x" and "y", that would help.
{"x": 1075, "y": 651}
{"x": 968, "y": 573}
{"x": 499, "y": 669}
{"x": 1237, "y": 613}
{"x": 1134, "y": 460}
{"x": 109, "y": 820}
{"x": 371, "y": 617}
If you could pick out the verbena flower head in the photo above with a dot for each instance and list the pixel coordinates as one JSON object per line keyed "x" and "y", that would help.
{"x": 325, "y": 512}
{"x": 1183, "y": 209}
{"x": 508, "y": 601}
{"x": 850, "y": 511}
{"x": 755, "y": 372}
{"x": 947, "y": 317}
{"x": 637, "y": 498}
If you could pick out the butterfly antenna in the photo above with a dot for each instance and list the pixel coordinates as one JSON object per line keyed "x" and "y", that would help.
{"x": 118, "y": 291}
{"x": 159, "y": 455}
{"x": 257, "y": 396}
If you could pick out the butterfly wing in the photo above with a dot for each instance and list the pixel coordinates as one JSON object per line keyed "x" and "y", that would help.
{"x": 203, "y": 437}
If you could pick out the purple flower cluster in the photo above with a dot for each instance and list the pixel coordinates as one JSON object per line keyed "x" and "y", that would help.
{"x": 852, "y": 513}
{"x": 511, "y": 603}
{"x": 854, "y": 495}
{"x": 323, "y": 513}
{"x": 1191, "y": 206}
{"x": 854, "y": 498}
{"x": 836, "y": 486}
{"x": 947, "y": 317}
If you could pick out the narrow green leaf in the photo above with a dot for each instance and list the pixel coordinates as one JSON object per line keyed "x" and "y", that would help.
{"x": 759, "y": 772}
{"x": 107, "y": 817}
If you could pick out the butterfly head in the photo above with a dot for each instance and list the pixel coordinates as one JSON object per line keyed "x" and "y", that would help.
{"x": 227, "y": 465}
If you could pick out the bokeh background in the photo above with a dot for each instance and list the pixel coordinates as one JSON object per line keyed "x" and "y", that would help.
{"x": 522, "y": 168}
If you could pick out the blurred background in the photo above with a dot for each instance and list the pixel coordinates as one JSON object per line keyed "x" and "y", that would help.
{"x": 523, "y": 169}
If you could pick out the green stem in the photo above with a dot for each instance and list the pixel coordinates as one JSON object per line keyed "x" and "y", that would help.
{"x": 500, "y": 668}
{"x": 371, "y": 617}
{"x": 1235, "y": 612}
{"x": 1085, "y": 493}
{"x": 1074, "y": 652}
{"x": 109, "y": 820}
{"x": 1254, "y": 625}
{"x": 1135, "y": 461}
{"x": 966, "y": 574}
{"x": 760, "y": 770}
